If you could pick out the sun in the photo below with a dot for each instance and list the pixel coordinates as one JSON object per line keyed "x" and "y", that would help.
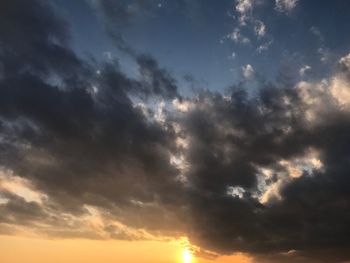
{"x": 187, "y": 256}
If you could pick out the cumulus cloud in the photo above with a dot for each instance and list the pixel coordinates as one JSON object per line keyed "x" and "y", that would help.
{"x": 265, "y": 175}
{"x": 244, "y": 8}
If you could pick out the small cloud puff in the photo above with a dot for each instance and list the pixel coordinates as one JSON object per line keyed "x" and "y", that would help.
{"x": 285, "y": 6}
{"x": 248, "y": 71}
{"x": 304, "y": 69}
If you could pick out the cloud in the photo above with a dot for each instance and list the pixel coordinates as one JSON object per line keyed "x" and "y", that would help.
{"x": 244, "y": 8}
{"x": 272, "y": 130}
{"x": 345, "y": 63}
{"x": 325, "y": 54}
{"x": 248, "y": 21}
{"x": 248, "y": 71}
{"x": 52, "y": 125}
{"x": 316, "y": 31}
{"x": 260, "y": 28}
{"x": 237, "y": 37}
{"x": 285, "y": 6}
{"x": 110, "y": 156}
{"x": 157, "y": 81}
{"x": 304, "y": 69}
{"x": 264, "y": 46}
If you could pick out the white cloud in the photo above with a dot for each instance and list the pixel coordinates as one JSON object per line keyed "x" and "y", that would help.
{"x": 244, "y": 8}
{"x": 235, "y": 191}
{"x": 245, "y": 19}
{"x": 108, "y": 55}
{"x": 325, "y": 54}
{"x": 314, "y": 96}
{"x": 331, "y": 94}
{"x": 304, "y": 69}
{"x": 340, "y": 90}
{"x": 19, "y": 186}
{"x": 159, "y": 115}
{"x": 260, "y": 28}
{"x": 286, "y": 171}
{"x": 285, "y": 6}
{"x": 183, "y": 105}
{"x": 248, "y": 71}
{"x": 233, "y": 55}
{"x": 345, "y": 62}
{"x": 237, "y": 37}
{"x": 264, "y": 47}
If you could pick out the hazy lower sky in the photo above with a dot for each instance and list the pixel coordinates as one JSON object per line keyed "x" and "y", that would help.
{"x": 178, "y": 131}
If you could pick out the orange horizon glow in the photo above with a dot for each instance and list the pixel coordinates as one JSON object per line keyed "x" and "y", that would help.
{"x": 16, "y": 249}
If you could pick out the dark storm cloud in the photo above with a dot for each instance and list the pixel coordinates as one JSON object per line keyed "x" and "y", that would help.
{"x": 158, "y": 81}
{"x": 33, "y": 39}
{"x": 241, "y": 134}
{"x": 72, "y": 129}
{"x": 63, "y": 130}
{"x": 19, "y": 211}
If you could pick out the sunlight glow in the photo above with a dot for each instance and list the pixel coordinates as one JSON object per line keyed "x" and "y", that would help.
{"x": 187, "y": 255}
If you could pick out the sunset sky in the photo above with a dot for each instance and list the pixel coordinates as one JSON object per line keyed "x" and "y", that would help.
{"x": 174, "y": 131}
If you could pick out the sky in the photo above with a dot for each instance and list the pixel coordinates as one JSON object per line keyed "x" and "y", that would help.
{"x": 178, "y": 131}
